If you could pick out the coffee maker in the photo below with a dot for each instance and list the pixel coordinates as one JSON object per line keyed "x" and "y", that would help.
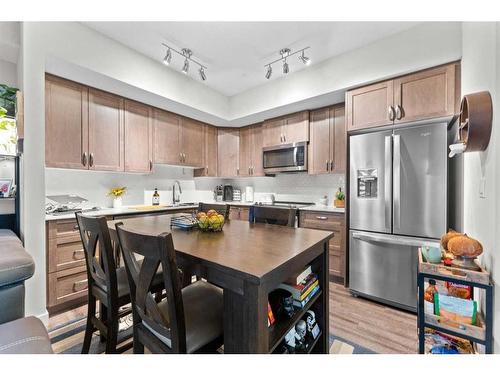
{"x": 228, "y": 193}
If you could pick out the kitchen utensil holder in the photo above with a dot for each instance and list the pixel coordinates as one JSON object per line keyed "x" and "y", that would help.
{"x": 476, "y": 113}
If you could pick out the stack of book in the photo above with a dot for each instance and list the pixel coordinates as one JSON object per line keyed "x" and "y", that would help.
{"x": 303, "y": 287}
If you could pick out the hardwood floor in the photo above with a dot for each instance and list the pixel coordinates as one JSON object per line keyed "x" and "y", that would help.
{"x": 371, "y": 325}
{"x": 374, "y": 326}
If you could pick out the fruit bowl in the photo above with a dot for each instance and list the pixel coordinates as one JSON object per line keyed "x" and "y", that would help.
{"x": 211, "y": 221}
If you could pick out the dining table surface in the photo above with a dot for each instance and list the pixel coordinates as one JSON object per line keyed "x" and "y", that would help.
{"x": 247, "y": 260}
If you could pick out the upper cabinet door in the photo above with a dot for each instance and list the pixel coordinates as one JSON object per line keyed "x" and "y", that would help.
{"x": 138, "y": 138}
{"x": 209, "y": 153}
{"x": 319, "y": 148}
{"x": 338, "y": 133}
{"x": 66, "y": 124}
{"x": 257, "y": 142}
{"x": 228, "y": 140}
{"x": 245, "y": 152}
{"x": 166, "y": 137}
{"x": 192, "y": 145}
{"x": 370, "y": 106}
{"x": 273, "y": 132}
{"x": 106, "y": 138}
{"x": 296, "y": 128}
{"x": 427, "y": 94}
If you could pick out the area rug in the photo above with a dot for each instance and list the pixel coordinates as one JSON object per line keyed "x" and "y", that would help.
{"x": 339, "y": 345}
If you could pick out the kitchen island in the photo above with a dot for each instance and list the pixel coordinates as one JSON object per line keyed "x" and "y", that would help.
{"x": 248, "y": 261}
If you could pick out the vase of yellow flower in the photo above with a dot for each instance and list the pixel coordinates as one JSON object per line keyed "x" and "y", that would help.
{"x": 117, "y": 194}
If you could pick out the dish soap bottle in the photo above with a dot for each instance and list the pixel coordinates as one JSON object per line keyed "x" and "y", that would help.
{"x": 156, "y": 198}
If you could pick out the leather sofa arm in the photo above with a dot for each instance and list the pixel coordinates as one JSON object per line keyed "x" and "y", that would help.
{"x": 16, "y": 265}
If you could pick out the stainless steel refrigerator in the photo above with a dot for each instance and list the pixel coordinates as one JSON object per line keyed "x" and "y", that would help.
{"x": 398, "y": 201}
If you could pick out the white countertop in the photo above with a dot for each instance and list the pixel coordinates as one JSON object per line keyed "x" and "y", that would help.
{"x": 130, "y": 210}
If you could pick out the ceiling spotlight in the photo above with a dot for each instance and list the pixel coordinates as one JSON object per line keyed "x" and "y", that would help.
{"x": 269, "y": 71}
{"x": 286, "y": 69}
{"x": 306, "y": 60}
{"x": 202, "y": 74}
{"x": 168, "y": 57}
{"x": 185, "y": 68}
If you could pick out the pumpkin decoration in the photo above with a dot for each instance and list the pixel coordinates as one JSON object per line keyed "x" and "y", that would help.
{"x": 464, "y": 246}
{"x": 448, "y": 236}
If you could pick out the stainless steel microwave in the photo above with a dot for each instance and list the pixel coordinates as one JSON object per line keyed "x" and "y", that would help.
{"x": 291, "y": 157}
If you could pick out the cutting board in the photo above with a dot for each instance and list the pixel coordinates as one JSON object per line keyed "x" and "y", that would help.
{"x": 148, "y": 208}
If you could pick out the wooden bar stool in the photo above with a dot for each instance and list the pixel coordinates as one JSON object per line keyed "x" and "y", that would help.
{"x": 273, "y": 215}
{"x": 189, "y": 320}
{"x": 107, "y": 283}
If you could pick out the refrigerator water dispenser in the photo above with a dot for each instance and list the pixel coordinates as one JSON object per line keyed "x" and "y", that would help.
{"x": 367, "y": 183}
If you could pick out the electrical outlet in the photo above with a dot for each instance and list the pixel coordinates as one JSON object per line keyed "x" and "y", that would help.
{"x": 482, "y": 187}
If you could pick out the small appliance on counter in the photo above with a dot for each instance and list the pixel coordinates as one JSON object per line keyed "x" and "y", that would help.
{"x": 237, "y": 195}
{"x": 218, "y": 193}
{"x": 249, "y": 194}
{"x": 66, "y": 204}
{"x": 228, "y": 193}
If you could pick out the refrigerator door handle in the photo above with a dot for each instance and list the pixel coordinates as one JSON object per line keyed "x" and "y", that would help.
{"x": 387, "y": 183}
{"x": 397, "y": 181}
{"x": 394, "y": 240}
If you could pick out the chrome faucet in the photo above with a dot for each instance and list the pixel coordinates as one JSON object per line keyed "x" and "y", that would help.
{"x": 176, "y": 199}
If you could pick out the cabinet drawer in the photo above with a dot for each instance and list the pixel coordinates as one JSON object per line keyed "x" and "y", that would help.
{"x": 69, "y": 255}
{"x": 321, "y": 220}
{"x": 67, "y": 285}
{"x": 239, "y": 213}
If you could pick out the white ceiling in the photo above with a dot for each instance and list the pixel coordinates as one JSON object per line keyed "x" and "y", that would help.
{"x": 236, "y": 52}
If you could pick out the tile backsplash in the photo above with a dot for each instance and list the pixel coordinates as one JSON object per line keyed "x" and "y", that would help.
{"x": 94, "y": 185}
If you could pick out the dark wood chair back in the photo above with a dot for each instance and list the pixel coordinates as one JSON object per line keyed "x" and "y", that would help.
{"x": 94, "y": 234}
{"x": 156, "y": 251}
{"x": 273, "y": 215}
{"x": 223, "y": 209}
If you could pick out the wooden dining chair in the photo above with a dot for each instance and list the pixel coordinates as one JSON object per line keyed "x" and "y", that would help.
{"x": 222, "y": 209}
{"x": 273, "y": 215}
{"x": 189, "y": 320}
{"x": 107, "y": 284}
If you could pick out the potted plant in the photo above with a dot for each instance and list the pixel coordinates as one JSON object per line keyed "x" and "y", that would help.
{"x": 117, "y": 194}
{"x": 340, "y": 198}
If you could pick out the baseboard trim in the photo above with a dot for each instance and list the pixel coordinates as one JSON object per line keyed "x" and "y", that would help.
{"x": 44, "y": 318}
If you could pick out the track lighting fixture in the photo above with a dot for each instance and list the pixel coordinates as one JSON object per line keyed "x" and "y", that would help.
{"x": 186, "y": 53}
{"x": 286, "y": 69}
{"x": 285, "y": 53}
{"x": 305, "y": 60}
{"x": 168, "y": 57}
{"x": 202, "y": 74}
{"x": 269, "y": 71}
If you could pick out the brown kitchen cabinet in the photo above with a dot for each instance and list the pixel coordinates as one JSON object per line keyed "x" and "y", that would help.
{"x": 209, "y": 153}
{"x": 192, "y": 139}
{"x": 334, "y": 222}
{"x": 239, "y": 213}
{"x": 106, "y": 131}
{"x": 66, "y": 124}
{"x": 327, "y": 148}
{"x": 166, "y": 134}
{"x": 287, "y": 129}
{"x": 138, "y": 137}
{"x": 228, "y": 144}
{"x": 66, "y": 270}
{"x": 250, "y": 151}
{"x": 430, "y": 93}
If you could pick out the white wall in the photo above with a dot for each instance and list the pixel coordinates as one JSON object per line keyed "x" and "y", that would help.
{"x": 481, "y": 71}
{"x": 8, "y": 73}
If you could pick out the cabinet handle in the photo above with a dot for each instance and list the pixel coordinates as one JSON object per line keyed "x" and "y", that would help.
{"x": 252, "y": 170}
{"x": 331, "y": 165}
{"x": 78, "y": 254}
{"x": 91, "y": 159}
{"x": 327, "y": 165}
{"x": 284, "y": 137}
{"x": 391, "y": 112}
{"x": 321, "y": 217}
{"x": 84, "y": 159}
{"x": 238, "y": 171}
{"x": 399, "y": 112}
{"x": 180, "y": 157}
{"x": 150, "y": 165}
{"x": 206, "y": 170}
{"x": 80, "y": 285}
